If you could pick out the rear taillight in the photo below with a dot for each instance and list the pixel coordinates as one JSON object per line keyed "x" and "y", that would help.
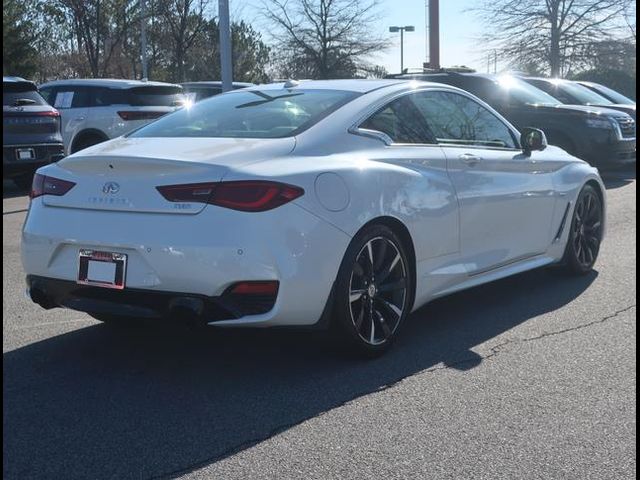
{"x": 46, "y": 113}
{"x": 49, "y": 113}
{"x": 139, "y": 115}
{"x": 247, "y": 196}
{"x": 44, "y": 185}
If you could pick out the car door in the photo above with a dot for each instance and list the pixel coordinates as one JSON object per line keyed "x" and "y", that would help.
{"x": 72, "y": 102}
{"x": 506, "y": 198}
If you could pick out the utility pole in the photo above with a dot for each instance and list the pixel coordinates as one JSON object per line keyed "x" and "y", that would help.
{"x": 226, "y": 65}
{"x": 143, "y": 38}
{"x": 434, "y": 33}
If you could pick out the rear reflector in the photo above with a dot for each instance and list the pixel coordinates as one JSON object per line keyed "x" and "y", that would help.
{"x": 140, "y": 115}
{"x": 254, "y": 288}
{"x": 246, "y": 196}
{"x": 43, "y": 185}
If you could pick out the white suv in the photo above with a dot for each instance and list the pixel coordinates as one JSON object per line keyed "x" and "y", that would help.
{"x": 94, "y": 110}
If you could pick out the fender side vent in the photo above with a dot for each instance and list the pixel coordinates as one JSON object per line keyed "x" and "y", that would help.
{"x": 562, "y": 223}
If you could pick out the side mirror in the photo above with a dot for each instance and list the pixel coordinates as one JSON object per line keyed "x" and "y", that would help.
{"x": 533, "y": 139}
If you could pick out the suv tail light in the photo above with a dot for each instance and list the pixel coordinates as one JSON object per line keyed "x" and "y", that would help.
{"x": 139, "y": 115}
{"x": 246, "y": 196}
{"x": 43, "y": 185}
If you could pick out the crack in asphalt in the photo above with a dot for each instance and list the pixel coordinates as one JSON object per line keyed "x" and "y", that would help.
{"x": 493, "y": 352}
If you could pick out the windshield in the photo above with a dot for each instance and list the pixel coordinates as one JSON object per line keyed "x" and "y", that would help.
{"x": 20, "y": 94}
{"x": 580, "y": 94}
{"x": 519, "y": 91}
{"x": 250, "y": 114}
{"x": 614, "y": 96}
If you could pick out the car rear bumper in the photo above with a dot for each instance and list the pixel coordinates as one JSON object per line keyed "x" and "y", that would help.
{"x": 44, "y": 154}
{"x": 140, "y": 303}
{"x": 196, "y": 256}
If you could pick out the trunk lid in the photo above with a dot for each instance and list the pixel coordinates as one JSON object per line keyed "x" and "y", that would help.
{"x": 122, "y": 174}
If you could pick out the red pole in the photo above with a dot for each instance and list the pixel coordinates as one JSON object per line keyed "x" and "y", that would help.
{"x": 434, "y": 33}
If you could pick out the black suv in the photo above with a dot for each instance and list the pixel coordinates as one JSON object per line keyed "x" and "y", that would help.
{"x": 572, "y": 93}
{"x": 600, "y": 136}
{"x": 30, "y": 131}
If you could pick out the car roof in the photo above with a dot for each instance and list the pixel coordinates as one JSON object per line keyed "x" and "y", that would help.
{"x": 14, "y": 80}
{"x": 358, "y": 85}
{"x": 215, "y": 83}
{"x": 108, "y": 82}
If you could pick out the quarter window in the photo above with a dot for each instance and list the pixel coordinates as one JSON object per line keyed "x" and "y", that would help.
{"x": 401, "y": 121}
{"x": 455, "y": 119}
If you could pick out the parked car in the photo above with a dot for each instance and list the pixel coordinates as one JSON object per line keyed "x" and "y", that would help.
{"x": 196, "y": 91}
{"x": 601, "y": 136}
{"x": 31, "y": 134}
{"x": 95, "y": 110}
{"x": 572, "y": 93}
{"x": 347, "y": 203}
{"x": 608, "y": 93}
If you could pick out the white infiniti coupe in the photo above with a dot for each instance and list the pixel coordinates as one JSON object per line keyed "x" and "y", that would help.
{"x": 347, "y": 203}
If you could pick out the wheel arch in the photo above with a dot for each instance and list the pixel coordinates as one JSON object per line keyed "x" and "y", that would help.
{"x": 86, "y": 133}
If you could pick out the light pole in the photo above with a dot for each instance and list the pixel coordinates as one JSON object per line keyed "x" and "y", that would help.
{"x": 408, "y": 28}
{"x": 226, "y": 64}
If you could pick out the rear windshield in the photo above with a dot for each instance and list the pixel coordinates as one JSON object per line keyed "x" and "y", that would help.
{"x": 250, "y": 114}
{"x": 20, "y": 94}
{"x": 155, "y": 96}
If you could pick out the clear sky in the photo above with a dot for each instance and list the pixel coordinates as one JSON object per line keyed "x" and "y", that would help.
{"x": 459, "y": 32}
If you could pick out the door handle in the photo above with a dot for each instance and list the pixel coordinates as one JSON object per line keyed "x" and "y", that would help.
{"x": 470, "y": 159}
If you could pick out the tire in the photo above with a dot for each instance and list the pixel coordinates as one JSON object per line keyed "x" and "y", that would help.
{"x": 372, "y": 296}
{"x": 24, "y": 181}
{"x": 585, "y": 234}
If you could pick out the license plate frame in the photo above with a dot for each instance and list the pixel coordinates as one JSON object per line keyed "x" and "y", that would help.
{"x": 102, "y": 269}
{"x": 23, "y": 154}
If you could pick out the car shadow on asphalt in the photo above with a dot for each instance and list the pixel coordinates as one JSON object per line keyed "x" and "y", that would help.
{"x": 11, "y": 190}
{"x": 102, "y": 402}
{"x": 618, "y": 178}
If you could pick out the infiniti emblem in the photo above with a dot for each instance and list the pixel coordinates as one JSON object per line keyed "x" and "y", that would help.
{"x": 110, "y": 187}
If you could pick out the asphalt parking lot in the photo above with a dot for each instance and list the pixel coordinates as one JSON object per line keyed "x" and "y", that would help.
{"x": 529, "y": 377}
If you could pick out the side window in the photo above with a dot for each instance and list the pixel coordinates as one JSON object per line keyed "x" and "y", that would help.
{"x": 71, "y": 97}
{"x": 401, "y": 121}
{"x": 49, "y": 94}
{"x": 101, "y": 97}
{"x": 456, "y": 119}
{"x": 81, "y": 97}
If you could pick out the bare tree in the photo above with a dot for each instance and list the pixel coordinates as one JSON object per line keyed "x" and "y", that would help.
{"x": 552, "y": 32}
{"x": 324, "y": 38}
{"x": 186, "y": 21}
{"x": 98, "y": 27}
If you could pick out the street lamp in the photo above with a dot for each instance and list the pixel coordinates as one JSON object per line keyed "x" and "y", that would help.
{"x": 408, "y": 28}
